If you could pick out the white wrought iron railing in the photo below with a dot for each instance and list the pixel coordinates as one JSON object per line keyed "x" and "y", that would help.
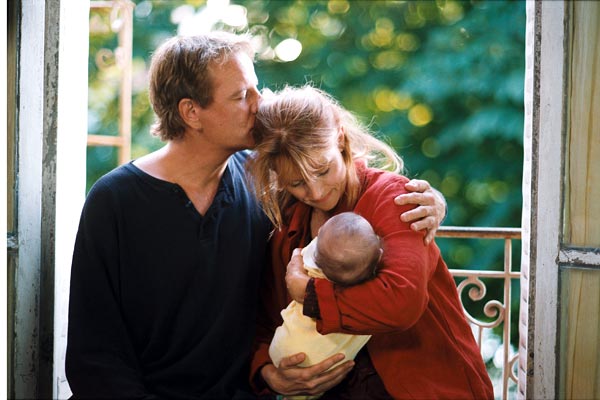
{"x": 498, "y": 310}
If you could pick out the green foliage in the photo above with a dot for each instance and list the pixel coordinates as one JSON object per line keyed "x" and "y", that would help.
{"x": 442, "y": 81}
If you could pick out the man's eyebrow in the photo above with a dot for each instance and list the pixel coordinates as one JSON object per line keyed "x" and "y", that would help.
{"x": 237, "y": 92}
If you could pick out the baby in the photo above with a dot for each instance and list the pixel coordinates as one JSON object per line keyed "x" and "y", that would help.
{"x": 347, "y": 252}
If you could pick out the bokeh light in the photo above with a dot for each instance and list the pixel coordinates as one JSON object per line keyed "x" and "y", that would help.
{"x": 192, "y": 22}
{"x": 452, "y": 12}
{"x": 235, "y": 16}
{"x": 338, "y": 6}
{"x": 420, "y": 115}
{"x": 288, "y": 50}
{"x": 430, "y": 147}
{"x": 388, "y": 100}
{"x": 326, "y": 24}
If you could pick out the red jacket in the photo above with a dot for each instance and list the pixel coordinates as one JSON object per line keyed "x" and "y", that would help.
{"x": 422, "y": 346}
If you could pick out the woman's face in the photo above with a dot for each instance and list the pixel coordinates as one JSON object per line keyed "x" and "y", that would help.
{"x": 325, "y": 190}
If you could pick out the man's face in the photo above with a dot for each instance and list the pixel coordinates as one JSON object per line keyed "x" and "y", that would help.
{"x": 228, "y": 121}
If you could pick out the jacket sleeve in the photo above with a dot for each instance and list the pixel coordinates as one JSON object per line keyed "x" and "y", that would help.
{"x": 273, "y": 298}
{"x": 397, "y": 297}
{"x": 100, "y": 359}
{"x": 265, "y": 329}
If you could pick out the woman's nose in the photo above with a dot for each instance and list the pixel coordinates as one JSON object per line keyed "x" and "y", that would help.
{"x": 315, "y": 191}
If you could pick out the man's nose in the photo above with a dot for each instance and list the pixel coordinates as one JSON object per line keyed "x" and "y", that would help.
{"x": 257, "y": 99}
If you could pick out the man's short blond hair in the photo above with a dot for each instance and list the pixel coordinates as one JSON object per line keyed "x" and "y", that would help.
{"x": 180, "y": 69}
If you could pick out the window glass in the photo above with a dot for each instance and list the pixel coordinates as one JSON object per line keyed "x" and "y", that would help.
{"x": 583, "y": 125}
{"x": 580, "y": 333}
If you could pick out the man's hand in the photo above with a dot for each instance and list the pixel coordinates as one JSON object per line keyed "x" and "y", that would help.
{"x": 431, "y": 208}
{"x": 290, "y": 379}
{"x": 296, "y": 277}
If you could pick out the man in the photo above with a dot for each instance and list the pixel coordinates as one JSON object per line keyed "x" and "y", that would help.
{"x": 170, "y": 246}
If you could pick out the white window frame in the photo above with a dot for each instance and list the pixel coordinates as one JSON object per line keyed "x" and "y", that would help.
{"x": 544, "y": 252}
{"x": 51, "y": 146}
{"x": 542, "y": 200}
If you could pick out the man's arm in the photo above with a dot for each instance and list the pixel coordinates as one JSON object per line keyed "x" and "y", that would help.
{"x": 100, "y": 359}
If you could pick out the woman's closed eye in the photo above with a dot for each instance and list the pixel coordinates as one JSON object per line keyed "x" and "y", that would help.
{"x": 298, "y": 183}
{"x": 323, "y": 173}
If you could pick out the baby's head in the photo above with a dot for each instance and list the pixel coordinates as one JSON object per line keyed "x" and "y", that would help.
{"x": 348, "y": 250}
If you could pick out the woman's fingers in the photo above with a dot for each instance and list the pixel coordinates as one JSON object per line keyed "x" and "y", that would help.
{"x": 296, "y": 278}
{"x": 292, "y": 360}
{"x": 327, "y": 380}
{"x": 316, "y": 379}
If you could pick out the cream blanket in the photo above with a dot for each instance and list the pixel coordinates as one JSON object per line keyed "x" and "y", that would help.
{"x": 298, "y": 333}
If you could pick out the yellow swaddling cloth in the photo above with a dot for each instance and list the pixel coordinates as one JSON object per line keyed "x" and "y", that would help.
{"x": 298, "y": 333}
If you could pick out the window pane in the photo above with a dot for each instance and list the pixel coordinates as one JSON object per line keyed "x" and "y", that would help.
{"x": 580, "y": 333}
{"x": 583, "y": 124}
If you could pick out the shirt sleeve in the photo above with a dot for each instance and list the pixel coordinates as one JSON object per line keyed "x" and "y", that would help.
{"x": 311, "y": 301}
{"x": 272, "y": 299}
{"x": 100, "y": 359}
{"x": 397, "y": 297}
{"x": 260, "y": 353}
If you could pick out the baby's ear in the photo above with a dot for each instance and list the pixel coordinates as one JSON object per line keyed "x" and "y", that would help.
{"x": 380, "y": 255}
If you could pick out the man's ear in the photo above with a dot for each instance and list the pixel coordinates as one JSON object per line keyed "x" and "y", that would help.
{"x": 188, "y": 110}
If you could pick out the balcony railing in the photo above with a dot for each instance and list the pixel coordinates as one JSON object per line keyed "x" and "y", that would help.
{"x": 498, "y": 310}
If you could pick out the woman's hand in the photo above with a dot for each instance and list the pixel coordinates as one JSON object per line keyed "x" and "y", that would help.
{"x": 431, "y": 209}
{"x": 296, "y": 277}
{"x": 290, "y": 379}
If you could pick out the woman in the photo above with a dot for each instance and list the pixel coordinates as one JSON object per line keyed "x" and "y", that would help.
{"x": 314, "y": 160}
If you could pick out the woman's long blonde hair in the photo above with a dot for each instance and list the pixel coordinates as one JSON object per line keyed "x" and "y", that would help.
{"x": 293, "y": 128}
